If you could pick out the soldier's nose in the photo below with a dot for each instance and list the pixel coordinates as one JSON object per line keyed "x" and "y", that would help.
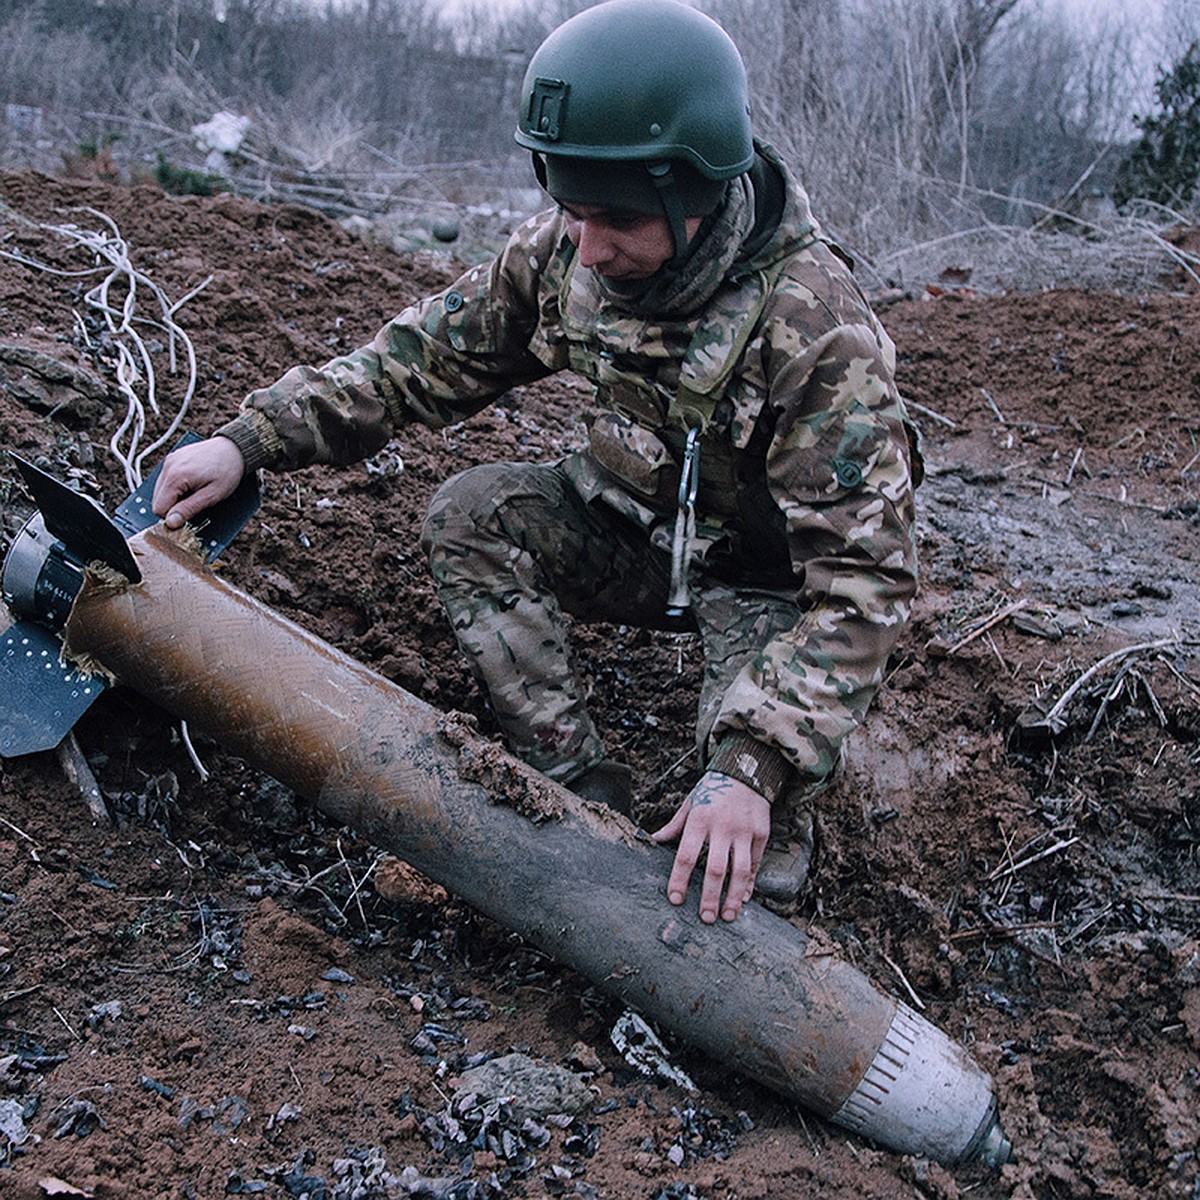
{"x": 594, "y": 248}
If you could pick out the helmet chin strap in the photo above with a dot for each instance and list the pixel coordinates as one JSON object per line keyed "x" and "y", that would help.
{"x": 668, "y": 193}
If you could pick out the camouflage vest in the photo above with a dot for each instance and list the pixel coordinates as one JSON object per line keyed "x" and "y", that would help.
{"x": 654, "y": 380}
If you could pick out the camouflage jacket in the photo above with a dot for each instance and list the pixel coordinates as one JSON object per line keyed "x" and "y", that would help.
{"x": 806, "y": 466}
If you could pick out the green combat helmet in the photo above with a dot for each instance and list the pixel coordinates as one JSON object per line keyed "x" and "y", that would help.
{"x": 640, "y": 105}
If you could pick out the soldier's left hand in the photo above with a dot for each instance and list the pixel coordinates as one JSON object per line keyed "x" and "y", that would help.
{"x": 733, "y": 821}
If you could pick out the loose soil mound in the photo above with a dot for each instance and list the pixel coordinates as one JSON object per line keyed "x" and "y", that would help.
{"x": 222, "y": 993}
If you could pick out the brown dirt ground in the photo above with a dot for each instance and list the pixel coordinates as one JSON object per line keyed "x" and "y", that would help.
{"x": 168, "y": 1023}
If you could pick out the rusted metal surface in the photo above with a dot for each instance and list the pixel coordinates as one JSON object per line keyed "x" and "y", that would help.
{"x": 569, "y": 878}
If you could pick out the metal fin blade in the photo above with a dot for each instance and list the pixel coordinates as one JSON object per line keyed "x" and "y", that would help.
{"x": 43, "y": 698}
{"x": 81, "y": 525}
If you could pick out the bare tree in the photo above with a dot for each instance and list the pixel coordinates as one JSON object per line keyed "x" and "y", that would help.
{"x": 866, "y": 97}
{"x": 961, "y": 32}
{"x": 1052, "y": 108}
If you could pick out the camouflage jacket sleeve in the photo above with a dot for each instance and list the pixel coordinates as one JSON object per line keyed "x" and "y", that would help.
{"x": 840, "y": 466}
{"x": 441, "y": 360}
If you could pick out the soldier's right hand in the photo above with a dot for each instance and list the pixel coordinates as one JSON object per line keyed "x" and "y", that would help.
{"x": 196, "y": 477}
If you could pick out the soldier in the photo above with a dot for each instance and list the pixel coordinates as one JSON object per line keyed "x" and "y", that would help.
{"x": 749, "y": 471}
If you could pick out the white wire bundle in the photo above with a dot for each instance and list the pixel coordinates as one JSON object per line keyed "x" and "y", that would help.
{"x": 134, "y": 365}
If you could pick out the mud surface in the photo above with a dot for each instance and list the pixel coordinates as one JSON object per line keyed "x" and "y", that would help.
{"x": 223, "y": 993}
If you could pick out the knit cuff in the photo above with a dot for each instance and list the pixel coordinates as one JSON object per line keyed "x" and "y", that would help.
{"x": 255, "y": 437}
{"x": 756, "y": 764}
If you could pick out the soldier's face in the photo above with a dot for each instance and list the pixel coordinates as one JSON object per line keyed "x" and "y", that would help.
{"x": 621, "y": 245}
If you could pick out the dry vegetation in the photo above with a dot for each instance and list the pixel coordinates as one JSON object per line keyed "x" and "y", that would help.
{"x": 979, "y": 136}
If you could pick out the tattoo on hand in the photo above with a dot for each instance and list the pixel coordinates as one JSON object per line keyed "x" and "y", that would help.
{"x": 718, "y": 786}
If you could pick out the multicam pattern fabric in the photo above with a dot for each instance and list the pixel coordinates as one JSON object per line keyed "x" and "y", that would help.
{"x": 805, "y": 488}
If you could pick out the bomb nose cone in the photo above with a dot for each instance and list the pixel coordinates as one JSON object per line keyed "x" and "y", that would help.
{"x": 993, "y": 1149}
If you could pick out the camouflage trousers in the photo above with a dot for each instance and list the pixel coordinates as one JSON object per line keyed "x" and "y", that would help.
{"x": 513, "y": 548}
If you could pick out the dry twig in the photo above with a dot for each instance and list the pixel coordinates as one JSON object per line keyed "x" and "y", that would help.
{"x": 1076, "y": 933}
{"x": 908, "y": 987}
{"x": 75, "y": 767}
{"x": 936, "y": 416}
{"x": 995, "y": 619}
{"x": 1110, "y": 694}
{"x": 993, "y": 930}
{"x": 1014, "y": 867}
{"x": 1054, "y": 719}
{"x": 357, "y": 883}
{"x": 992, "y": 405}
{"x": 17, "y": 993}
{"x": 17, "y": 830}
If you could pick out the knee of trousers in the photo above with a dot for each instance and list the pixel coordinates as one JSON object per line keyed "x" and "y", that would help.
{"x": 471, "y": 501}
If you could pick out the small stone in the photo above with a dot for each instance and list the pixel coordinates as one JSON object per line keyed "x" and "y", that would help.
{"x": 534, "y": 1088}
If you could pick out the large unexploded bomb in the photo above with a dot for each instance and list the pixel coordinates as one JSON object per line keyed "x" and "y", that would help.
{"x": 572, "y": 878}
